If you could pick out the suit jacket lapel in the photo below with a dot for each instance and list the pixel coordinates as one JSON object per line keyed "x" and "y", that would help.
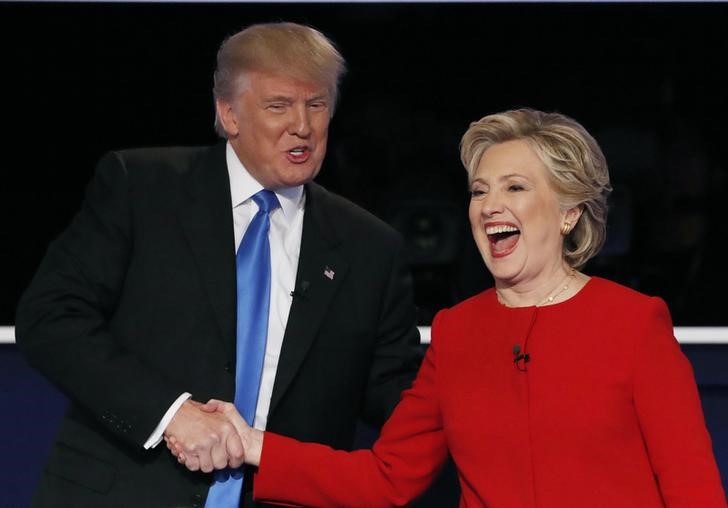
{"x": 321, "y": 269}
{"x": 206, "y": 217}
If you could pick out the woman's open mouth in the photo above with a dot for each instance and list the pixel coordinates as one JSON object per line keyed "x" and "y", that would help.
{"x": 502, "y": 238}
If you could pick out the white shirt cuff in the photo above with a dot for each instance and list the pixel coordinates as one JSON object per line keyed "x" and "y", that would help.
{"x": 158, "y": 433}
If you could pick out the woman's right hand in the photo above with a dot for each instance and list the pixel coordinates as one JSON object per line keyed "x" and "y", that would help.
{"x": 252, "y": 438}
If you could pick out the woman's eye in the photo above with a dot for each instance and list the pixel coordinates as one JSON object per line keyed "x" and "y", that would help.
{"x": 477, "y": 193}
{"x": 515, "y": 188}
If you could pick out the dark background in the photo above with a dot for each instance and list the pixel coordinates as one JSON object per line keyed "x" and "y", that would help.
{"x": 648, "y": 81}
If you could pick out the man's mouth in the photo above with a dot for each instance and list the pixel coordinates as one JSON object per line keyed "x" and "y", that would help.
{"x": 299, "y": 154}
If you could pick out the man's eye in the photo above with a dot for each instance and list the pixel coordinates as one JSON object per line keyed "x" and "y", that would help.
{"x": 276, "y": 107}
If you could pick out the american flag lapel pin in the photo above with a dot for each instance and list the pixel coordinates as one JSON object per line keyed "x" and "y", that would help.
{"x": 328, "y": 272}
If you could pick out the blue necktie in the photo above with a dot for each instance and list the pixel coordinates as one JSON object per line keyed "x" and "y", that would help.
{"x": 253, "y": 281}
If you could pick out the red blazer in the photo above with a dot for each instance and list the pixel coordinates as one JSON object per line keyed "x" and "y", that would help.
{"x": 606, "y": 415}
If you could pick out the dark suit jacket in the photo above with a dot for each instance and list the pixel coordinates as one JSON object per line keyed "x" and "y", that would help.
{"x": 135, "y": 304}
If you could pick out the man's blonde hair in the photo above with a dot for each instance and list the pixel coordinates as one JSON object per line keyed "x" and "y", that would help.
{"x": 287, "y": 49}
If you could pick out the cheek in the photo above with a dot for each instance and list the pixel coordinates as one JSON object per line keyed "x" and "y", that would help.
{"x": 474, "y": 214}
{"x": 544, "y": 214}
{"x": 269, "y": 129}
{"x": 476, "y": 226}
{"x": 322, "y": 134}
{"x": 254, "y": 138}
{"x": 553, "y": 220}
{"x": 321, "y": 145}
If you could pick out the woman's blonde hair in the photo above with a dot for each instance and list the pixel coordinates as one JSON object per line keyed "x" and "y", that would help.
{"x": 575, "y": 165}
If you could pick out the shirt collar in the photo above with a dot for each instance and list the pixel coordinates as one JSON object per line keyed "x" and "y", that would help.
{"x": 243, "y": 186}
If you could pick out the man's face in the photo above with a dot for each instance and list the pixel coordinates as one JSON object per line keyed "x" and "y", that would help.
{"x": 278, "y": 127}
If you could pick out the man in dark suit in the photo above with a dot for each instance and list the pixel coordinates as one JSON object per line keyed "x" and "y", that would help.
{"x": 132, "y": 313}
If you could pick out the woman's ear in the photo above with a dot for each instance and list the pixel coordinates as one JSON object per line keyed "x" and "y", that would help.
{"x": 572, "y": 215}
{"x": 569, "y": 219}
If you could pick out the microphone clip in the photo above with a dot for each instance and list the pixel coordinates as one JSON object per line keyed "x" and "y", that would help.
{"x": 519, "y": 356}
{"x": 301, "y": 290}
{"x": 525, "y": 357}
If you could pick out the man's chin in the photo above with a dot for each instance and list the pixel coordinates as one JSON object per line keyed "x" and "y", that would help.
{"x": 296, "y": 175}
{"x": 289, "y": 179}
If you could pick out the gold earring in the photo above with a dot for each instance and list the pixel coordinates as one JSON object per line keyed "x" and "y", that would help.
{"x": 565, "y": 228}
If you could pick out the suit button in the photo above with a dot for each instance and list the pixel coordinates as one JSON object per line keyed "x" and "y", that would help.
{"x": 229, "y": 368}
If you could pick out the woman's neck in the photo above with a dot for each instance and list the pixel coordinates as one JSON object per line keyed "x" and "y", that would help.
{"x": 559, "y": 285}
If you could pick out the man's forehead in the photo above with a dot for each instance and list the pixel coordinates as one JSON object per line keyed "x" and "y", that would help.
{"x": 283, "y": 84}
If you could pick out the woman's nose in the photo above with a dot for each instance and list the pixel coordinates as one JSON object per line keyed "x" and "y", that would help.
{"x": 491, "y": 204}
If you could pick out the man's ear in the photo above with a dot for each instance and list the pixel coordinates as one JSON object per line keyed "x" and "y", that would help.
{"x": 228, "y": 119}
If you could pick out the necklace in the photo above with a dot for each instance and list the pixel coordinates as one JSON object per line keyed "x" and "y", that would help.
{"x": 563, "y": 286}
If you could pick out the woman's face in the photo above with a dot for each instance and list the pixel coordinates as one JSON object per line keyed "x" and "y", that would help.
{"x": 515, "y": 215}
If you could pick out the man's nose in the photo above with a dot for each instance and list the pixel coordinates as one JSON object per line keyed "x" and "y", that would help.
{"x": 300, "y": 122}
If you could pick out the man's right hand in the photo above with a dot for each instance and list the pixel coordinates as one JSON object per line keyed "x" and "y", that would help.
{"x": 207, "y": 439}
{"x": 252, "y": 438}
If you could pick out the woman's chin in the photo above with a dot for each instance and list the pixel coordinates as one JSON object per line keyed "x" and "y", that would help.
{"x": 503, "y": 273}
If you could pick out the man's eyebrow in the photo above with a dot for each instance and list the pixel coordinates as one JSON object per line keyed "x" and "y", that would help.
{"x": 277, "y": 98}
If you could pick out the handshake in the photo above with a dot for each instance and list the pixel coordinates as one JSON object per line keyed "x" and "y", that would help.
{"x": 206, "y": 437}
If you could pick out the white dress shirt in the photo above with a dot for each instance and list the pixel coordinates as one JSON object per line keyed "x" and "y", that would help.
{"x": 286, "y": 228}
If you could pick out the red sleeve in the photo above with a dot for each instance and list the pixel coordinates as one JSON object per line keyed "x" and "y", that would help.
{"x": 404, "y": 460}
{"x": 671, "y": 417}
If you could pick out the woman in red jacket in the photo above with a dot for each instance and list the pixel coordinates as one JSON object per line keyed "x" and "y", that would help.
{"x": 552, "y": 389}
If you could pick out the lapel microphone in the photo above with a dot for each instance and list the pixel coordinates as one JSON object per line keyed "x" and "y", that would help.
{"x": 518, "y": 356}
{"x": 301, "y": 290}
